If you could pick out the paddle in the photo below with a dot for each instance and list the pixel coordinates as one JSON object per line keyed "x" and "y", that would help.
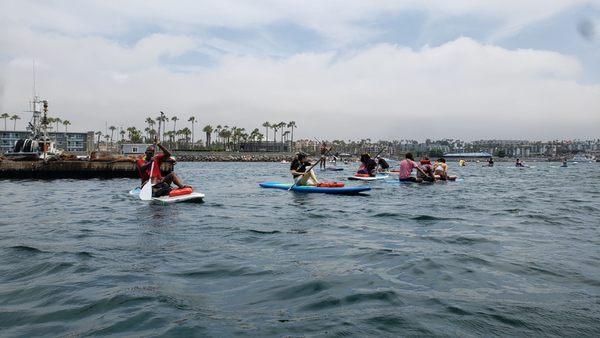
{"x": 146, "y": 192}
{"x": 309, "y": 169}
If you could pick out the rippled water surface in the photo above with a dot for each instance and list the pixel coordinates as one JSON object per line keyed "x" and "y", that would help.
{"x": 505, "y": 252}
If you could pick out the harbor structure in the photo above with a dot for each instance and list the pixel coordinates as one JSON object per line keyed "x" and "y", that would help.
{"x": 77, "y": 143}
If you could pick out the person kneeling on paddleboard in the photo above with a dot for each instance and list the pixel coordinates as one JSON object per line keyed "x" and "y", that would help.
{"x": 383, "y": 165}
{"x": 151, "y": 164}
{"x": 426, "y": 172}
{"x": 298, "y": 170}
{"x": 368, "y": 165}
{"x": 440, "y": 169}
{"x": 406, "y": 167}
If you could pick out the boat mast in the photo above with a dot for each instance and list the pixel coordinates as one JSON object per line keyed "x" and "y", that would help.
{"x": 46, "y": 140}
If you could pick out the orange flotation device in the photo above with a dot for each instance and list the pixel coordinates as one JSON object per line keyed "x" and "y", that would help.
{"x": 330, "y": 185}
{"x": 181, "y": 191}
{"x": 362, "y": 175}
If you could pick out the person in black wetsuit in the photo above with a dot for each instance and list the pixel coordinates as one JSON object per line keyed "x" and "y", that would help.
{"x": 383, "y": 165}
{"x": 298, "y": 169}
{"x": 491, "y": 162}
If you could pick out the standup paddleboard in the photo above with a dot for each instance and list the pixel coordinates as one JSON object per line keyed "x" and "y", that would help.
{"x": 194, "y": 197}
{"x": 313, "y": 189}
{"x": 369, "y": 178}
{"x": 332, "y": 169}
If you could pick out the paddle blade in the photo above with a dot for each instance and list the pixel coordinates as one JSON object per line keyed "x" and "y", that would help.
{"x": 146, "y": 192}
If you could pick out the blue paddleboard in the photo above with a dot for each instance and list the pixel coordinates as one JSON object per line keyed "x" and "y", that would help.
{"x": 312, "y": 189}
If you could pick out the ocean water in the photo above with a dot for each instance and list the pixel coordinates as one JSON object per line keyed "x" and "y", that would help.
{"x": 502, "y": 252}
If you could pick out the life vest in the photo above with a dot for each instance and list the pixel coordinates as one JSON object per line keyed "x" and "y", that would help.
{"x": 181, "y": 191}
{"x": 330, "y": 185}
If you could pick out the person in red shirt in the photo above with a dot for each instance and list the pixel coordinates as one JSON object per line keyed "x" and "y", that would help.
{"x": 150, "y": 164}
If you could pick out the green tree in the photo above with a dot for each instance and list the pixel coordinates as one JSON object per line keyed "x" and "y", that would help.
{"x": 500, "y": 153}
{"x": 57, "y": 121}
{"x": 267, "y": 125}
{"x": 208, "y": 129}
{"x": 192, "y": 120}
{"x": 112, "y": 131}
{"x": 99, "y": 134}
{"x": 436, "y": 152}
{"x": 65, "y": 123}
{"x": 292, "y": 125}
{"x": 15, "y": 118}
{"x": 4, "y": 116}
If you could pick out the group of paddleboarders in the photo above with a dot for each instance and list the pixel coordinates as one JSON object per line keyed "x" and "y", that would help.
{"x": 302, "y": 173}
{"x": 149, "y": 169}
{"x": 426, "y": 171}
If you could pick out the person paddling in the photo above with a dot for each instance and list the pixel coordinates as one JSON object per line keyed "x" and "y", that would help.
{"x": 406, "y": 167}
{"x": 491, "y": 162}
{"x": 383, "y": 165}
{"x": 299, "y": 173}
{"x": 368, "y": 165}
{"x": 324, "y": 150}
{"x": 426, "y": 170}
{"x": 150, "y": 165}
{"x": 519, "y": 163}
{"x": 440, "y": 169}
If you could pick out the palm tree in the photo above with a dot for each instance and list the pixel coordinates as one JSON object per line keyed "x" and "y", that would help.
{"x": 98, "y": 133}
{"x": 130, "y": 131}
{"x": 292, "y": 125}
{"x": 174, "y": 119}
{"x": 57, "y": 121}
{"x": 15, "y": 118}
{"x": 67, "y": 123}
{"x": 275, "y": 127}
{"x": 4, "y": 116}
{"x": 106, "y": 137}
{"x": 112, "y": 131}
{"x": 122, "y": 132}
{"x": 267, "y": 125}
{"x": 217, "y": 131}
{"x": 186, "y": 134}
{"x": 208, "y": 129}
{"x": 192, "y": 120}
{"x": 281, "y": 126}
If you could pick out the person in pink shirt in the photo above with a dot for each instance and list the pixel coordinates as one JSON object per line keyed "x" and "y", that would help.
{"x": 406, "y": 167}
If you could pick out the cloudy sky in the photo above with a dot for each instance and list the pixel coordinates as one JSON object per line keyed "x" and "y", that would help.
{"x": 341, "y": 69}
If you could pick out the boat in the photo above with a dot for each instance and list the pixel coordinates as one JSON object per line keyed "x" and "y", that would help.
{"x": 580, "y": 158}
{"x": 38, "y": 146}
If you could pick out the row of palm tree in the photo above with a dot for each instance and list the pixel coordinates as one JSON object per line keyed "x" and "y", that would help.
{"x": 14, "y": 118}
{"x": 219, "y": 137}
{"x": 49, "y": 121}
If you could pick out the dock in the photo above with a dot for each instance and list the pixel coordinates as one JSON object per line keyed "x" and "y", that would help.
{"x": 71, "y": 169}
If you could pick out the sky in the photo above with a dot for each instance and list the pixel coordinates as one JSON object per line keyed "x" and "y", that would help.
{"x": 495, "y": 69}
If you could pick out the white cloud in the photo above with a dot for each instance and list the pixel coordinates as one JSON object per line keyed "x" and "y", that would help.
{"x": 460, "y": 89}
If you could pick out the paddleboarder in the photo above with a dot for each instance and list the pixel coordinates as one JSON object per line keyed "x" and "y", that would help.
{"x": 150, "y": 163}
{"x": 323, "y": 152}
{"x": 368, "y": 165}
{"x": 406, "y": 167}
{"x": 299, "y": 173}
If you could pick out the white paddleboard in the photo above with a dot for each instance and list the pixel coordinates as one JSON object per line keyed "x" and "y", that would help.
{"x": 375, "y": 178}
{"x": 194, "y": 197}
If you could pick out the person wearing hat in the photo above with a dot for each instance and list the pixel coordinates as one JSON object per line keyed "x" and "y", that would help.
{"x": 150, "y": 164}
{"x": 299, "y": 173}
